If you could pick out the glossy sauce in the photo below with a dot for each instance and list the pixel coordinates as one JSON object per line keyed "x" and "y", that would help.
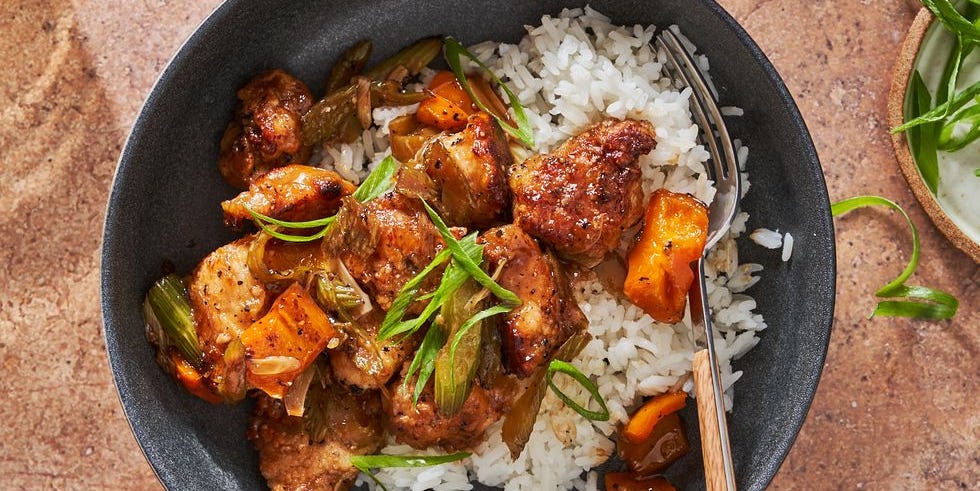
{"x": 666, "y": 444}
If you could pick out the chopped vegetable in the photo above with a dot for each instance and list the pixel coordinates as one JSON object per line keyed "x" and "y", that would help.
{"x": 912, "y": 301}
{"x": 414, "y": 58}
{"x": 663, "y": 446}
{"x": 624, "y": 481}
{"x": 452, "y": 51}
{"x": 519, "y": 422}
{"x": 644, "y": 419}
{"x": 349, "y": 65}
{"x": 191, "y": 379}
{"x": 659, "y": 274}
{"x": 365, "y": 463}
{"x": 449, "y": 105}
{"x": 284, "y": 342}
{"x": 171, "y": 307}
{"x": 408, "y": 136}
{"x": 295, "y": 399}
{"x": 327, "y": 119}
{"x": 424, "y": 361}
{"x": 455, "y": 365}
{"x": 570, "y": 370}
{"x": 271, "y": 259}
{"x": 234, "y": 384}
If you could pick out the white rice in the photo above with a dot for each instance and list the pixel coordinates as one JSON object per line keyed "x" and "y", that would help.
{"x": 787, "y": 247}
{"x": 767, "y": 238}
{"x": 573, "y": 70}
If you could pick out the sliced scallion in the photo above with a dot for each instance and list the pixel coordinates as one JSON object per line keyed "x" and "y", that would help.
{"x": 467, "y": 263}
{"x": 570, "y": 370}
{"x": 906, "y": 301}
{"x": 452, "y": 50}
{"x": 378, "y": 182}
{"x": 425, "y": 358}
{"x": 365, "y": 463}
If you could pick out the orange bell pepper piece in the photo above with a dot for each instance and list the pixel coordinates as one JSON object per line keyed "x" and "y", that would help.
{"x": 191, "y": 379}
{"x": 650, "y": 413}
{"x": 625, "y": 481}
{"x": 287, "y": 340}
{"x": 659, "y": 274}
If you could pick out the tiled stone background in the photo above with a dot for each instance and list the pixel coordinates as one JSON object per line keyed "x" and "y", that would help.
{"x": 896, "y": 408}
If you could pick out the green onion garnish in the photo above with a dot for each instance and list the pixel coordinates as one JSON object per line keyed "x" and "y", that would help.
{"x": 467, "y": 262}
{"x": 365, "y": 463}
{"x": 171, "y": 306}
{"x": 941, "y": 111}
{"x": 907, "y": 301}
{"x": 948, "y": 141}
{"x": 575, "y": 373}
{"x": 922, "y": 138}
{"x": 424, "y": 362}
{"x": 952, "y": 19}
{"x": 452, "y": 50}
{"x": 378, "y": 182}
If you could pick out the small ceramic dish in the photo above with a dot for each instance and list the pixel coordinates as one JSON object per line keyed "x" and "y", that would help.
{"x": 955, "y": 207}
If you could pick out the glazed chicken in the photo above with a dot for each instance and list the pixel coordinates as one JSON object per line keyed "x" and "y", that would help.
{"x": 267, "y": 129}
{"x": 292, "y": 193}
{"x": 313, "y": 452}
{"x": 422, "y": 425}
{"x": 548, "y": 315}
{"x": 582, "y": 196}
{"x": 469, "y": 169}
{"x": 363, "y": 362}
{"x": 384, "y": 243}
{"x": 226, "y": 299}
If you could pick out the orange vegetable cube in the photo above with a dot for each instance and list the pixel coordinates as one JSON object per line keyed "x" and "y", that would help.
{"x": 659, "y": 274}
{"x": 650, "y": 413}
{"x": 287, "y": 340}
{"x": 625, "y": 481}
{"x": 191, "y": 379}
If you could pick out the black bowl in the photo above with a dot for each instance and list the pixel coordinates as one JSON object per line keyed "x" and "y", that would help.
{"x": 164, "y": 207}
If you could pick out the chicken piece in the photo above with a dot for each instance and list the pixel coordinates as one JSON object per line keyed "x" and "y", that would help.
{"x": 292, "y": 193}
{"x": 468, "y": 169}
{"x": 548, "y": 314}
{"x": 267, "y": 129}
{"x": 226, "y": 299}
{"x": 422, "y": 425}
{"x": 314, "y": 451}
{"x": 363, "y": 362}
{"x": 384, "y": 243}
{"x": 581, "y": 197}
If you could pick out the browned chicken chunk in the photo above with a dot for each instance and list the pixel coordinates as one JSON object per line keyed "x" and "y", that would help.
{"x": 313, "y": 452}
{"x": 548, "y": 315}
{"x": 384, "y": 243}
{"x": 422, "y": 425}
{"x": 293, "y": 193}
{"x": 469, "y": 171}
{"x": 362, "y": 361}
{"x": 226, "y": 299}
{"x": 267, "y": 129}
{"x": 579, "y": 198}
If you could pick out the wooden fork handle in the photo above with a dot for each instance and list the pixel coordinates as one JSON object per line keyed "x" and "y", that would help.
{"x": 712, "y": 448}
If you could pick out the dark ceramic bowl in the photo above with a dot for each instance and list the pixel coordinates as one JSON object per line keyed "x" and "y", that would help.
{"x": 164, "y": 207}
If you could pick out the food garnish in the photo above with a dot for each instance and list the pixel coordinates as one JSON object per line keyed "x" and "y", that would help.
{"x": 378, "y": 182}
{"x": 918, "y": 302}
{"x": 931, "y": 128}
{"x": 559, "y": 366}
{"x": 365, "y": 463}
{"x": 659, "y": 271}
{"x": 651, "y": 412}
{"x": 453, "y": 50}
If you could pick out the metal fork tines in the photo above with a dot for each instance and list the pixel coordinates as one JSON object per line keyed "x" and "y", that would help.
{"x": 722, "y": 168}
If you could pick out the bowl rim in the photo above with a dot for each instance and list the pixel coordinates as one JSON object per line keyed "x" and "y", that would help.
{"x": 779, "y": 449}
{"x": 896, "y": 102}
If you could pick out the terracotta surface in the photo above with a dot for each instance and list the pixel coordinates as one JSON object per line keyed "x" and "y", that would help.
{"x": 896, "y": 408}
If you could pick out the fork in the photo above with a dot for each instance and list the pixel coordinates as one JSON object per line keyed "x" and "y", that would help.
{"x": 722, "y": 168}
